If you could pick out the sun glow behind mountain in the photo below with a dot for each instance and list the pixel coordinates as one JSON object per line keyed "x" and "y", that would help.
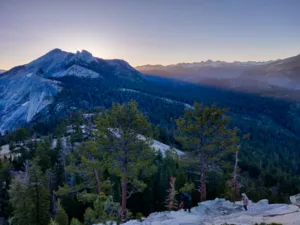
{"x": 98, "y": 46}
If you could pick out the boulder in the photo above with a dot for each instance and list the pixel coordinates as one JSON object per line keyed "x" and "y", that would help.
{"x": 295, "y": 200}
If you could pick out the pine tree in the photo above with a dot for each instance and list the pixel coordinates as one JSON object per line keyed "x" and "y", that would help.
{"x": 90, "y": 162}
{"x": 42, "y": 155}
{"x": 75, "y": 221}
{"x": 124, "y": 151}
{"x": 5, "y": 177}
{"x": 187, "y": 188}
{"x": 21, "y": 135}
{"x": 104, "y": 209}
{"x": 39, "y": 195}
{"x": 30, "y": 199}
{"x": 78, "y": 133}
{"x": 12, "y": 149}
{"x": 89, "y": 217}
{"x": 87, "y": 166}
{"x": 204, "y": 131}
{"x": 21, "y": 202}
{"x": 60, "y": 169}
{"x": 61, "y": 216}
{"x": 53, "y": 222}
{"x": 59, "y": 145}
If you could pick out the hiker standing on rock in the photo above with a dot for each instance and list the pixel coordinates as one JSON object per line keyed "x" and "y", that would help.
{"x": 187, "y": 201}
{"x": 245, "y": 201}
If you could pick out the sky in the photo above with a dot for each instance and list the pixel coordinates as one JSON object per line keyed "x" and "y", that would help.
{"x": 150, "y": 32}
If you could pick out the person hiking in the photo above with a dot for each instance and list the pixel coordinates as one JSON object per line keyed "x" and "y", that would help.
{"x": 245, "y": 201}
{"x": 187, "y": 202}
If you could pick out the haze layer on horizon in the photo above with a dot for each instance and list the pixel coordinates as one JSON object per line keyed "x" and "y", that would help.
{"x": 150, "y": 32}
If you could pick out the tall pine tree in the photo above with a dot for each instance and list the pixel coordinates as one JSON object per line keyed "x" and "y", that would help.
{"x": 126, "y": 153}
{"x": 30, "y": 198}
{"x": 204, "y": 131}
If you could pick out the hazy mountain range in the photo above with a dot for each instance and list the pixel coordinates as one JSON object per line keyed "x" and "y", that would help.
{"x": 59, "y": 81}
{"x": 280, "y": 78}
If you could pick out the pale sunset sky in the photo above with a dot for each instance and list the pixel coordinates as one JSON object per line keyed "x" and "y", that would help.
{"x": 150, "y": 32}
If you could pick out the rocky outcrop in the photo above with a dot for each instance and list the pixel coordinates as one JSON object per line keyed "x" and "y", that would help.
{"x": 295, "y": 200}
{"x": 220, "y": 211}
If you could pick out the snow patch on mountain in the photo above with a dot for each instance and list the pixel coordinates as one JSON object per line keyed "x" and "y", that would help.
{"x": 78, "y": 71}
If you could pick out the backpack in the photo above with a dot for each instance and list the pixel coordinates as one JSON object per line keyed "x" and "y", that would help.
{"x": 187, "y": 197}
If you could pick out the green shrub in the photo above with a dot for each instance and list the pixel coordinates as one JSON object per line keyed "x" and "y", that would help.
{"x": 61, "y": 217}
{"x": 139, "y": 216}
{"x": 75, "y": 221}
{"x": 52, "y": 222}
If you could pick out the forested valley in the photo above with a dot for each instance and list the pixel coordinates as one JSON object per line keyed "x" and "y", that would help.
{"x": 82, "y": 160}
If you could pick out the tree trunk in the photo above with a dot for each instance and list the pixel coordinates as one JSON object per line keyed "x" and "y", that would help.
{"x": 26, "y": 165}
{"x": 65, "y": 172}
{"x": 53, "y": 205}
{"x": 37, "y": 206}
{"x": 203, "y": 183}
{"x": 202, "y": 177}
{"x": 235, "y": 188}
{"x": 97, "y": 181}
{"x": 124, "y": 198}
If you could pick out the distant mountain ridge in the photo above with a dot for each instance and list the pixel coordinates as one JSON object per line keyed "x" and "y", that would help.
{"x": 279, "y": 78}
{"x": 27, "y": 89}
{"x": 2, "y": 71}
{"x": 207, "y": 63}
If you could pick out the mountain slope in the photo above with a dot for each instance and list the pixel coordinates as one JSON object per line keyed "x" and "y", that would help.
{"x": 280, "y": 78}
{"x": 22, "y": 97}
{"x": 282, "y": 73}
{"x": 26, "y": 90}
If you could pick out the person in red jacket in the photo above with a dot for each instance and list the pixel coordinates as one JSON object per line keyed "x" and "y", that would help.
{"x": 245, "y": 201}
